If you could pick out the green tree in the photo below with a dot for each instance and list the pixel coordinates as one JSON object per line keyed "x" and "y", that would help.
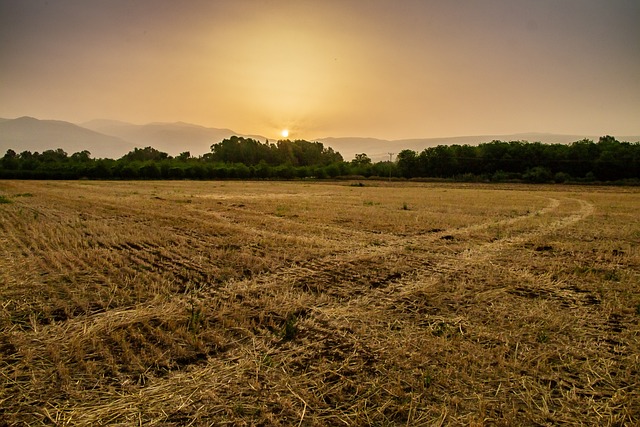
{"x": 183, "y": 157}
{"x": 83, "y": 156}
{"x": 10, "y": 160}
{"x": 144, "y": 154}
{"x": 361, "y": 160}
{"x": 408, "y": 164}
{"x": 53, "y": 156}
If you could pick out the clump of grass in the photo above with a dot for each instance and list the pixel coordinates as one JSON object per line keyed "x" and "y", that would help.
{"x": 267, "y": 361}
{"x": 281, "y": 211}
{"x": 290, "y": 329}
{"x": 440, "y": 329}
{"x": 543, "y": 337}
{"x": 612, "y": 276}
{"x": 4, "y": 200}
{"x": 427, "y": 379}
{"x": 195, "y": 317}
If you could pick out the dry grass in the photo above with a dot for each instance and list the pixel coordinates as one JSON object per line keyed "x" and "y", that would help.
{"x": 308, "y": 304}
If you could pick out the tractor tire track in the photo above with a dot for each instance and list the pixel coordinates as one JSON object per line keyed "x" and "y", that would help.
{"x": 351, "y": 275}
{"x": 370, "y": 279}
{"x": 340, "y": 275}
{"x": 343, "y": 274}
{"x": 484, "y": 252}
{"x": 421, "y": 272}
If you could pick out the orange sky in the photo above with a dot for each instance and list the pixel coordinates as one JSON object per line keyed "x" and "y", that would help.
{"x": 386, "y": 69}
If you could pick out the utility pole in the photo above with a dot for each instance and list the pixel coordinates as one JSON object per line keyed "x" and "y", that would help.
{"x": 390, "y": 167}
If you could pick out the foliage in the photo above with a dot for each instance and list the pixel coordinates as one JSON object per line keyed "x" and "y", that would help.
{"x": 246, "y": 158}
{"x": 606, "y": 160}
{"x": 285, "y": 152}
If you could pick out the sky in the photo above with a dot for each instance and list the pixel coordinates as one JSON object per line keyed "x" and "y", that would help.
{"x": 368, "y": 68}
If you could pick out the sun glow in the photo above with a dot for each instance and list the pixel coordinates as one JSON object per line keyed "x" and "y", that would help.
{"x": 285, "y": 133}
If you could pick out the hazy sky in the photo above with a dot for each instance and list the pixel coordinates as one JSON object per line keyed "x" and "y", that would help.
{"x": 387, "y": 69}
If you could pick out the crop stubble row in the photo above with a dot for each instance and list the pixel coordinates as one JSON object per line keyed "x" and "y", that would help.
{"x": 383, "y": 318}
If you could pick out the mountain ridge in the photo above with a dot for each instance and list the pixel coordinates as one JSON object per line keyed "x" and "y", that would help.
{"x": 30, "y": 134}
{"x": 173, "y": 138}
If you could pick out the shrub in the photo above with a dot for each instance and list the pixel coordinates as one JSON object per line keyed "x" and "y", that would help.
{"x": 538, "y": 175}
{"x": 561, "y": 177}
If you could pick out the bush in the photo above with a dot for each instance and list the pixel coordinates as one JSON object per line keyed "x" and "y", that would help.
{"x": 561, "y": 177}
{"x": 538, "y": 175}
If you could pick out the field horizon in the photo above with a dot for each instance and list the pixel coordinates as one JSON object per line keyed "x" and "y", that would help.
{"x": 318, "y": 303}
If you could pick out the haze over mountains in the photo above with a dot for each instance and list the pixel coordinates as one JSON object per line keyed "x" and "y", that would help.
{"x": 27, "y": 133}
{"x": 113, "y": 139}
{"x": 172, "y": 138}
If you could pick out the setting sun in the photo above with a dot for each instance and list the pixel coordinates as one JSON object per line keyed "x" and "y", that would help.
{"x": 284, "y": 133}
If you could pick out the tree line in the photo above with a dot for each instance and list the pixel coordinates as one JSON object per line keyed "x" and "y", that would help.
{"x": 584, "y": 160}
{"x": 247, "y": 158}
{"x": 232, "y": 158}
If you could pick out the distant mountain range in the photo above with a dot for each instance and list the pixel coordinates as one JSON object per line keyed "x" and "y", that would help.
{"x": 113, "y": 139}
{"x": 172, "y": 138}
{"x": 27, "y": 133}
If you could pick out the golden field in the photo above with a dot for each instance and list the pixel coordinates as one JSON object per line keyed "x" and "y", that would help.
{"x": 312, "y": 304}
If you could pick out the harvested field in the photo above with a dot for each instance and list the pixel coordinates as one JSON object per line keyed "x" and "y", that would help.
{"x": 311, "y": 304}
